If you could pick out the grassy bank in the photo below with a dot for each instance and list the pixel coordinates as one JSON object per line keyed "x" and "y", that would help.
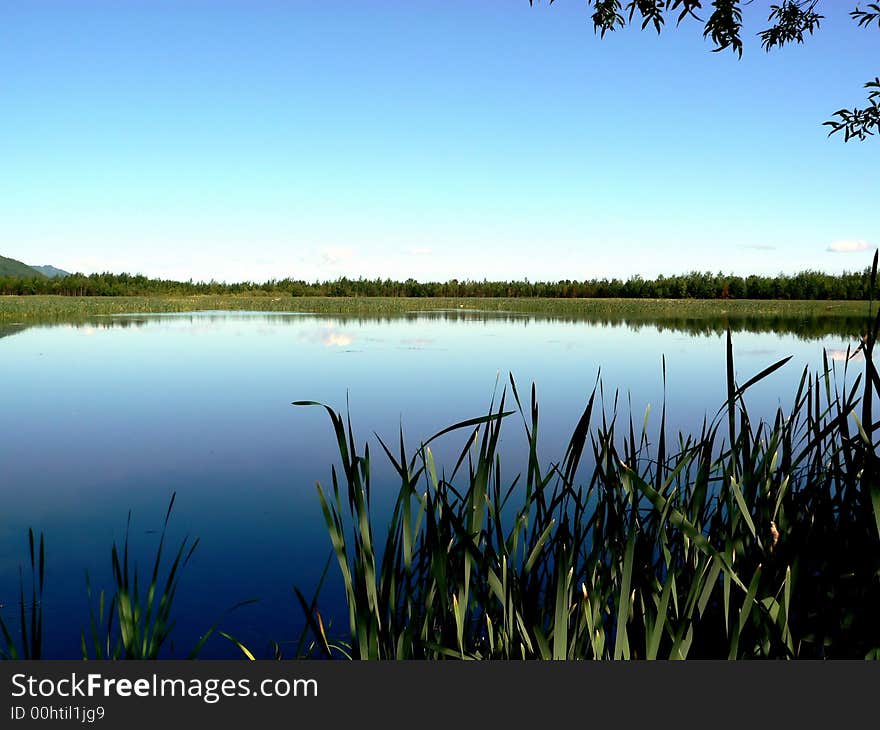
{"x": 808, "y": 319}
{"x": 38, "y": 309}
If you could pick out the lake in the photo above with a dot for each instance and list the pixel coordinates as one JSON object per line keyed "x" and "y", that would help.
{"x": 118, "y": 413}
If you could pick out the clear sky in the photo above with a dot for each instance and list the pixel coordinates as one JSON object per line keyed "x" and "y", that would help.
{"x": 433, "y": 139}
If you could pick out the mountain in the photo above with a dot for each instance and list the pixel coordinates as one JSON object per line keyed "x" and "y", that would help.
{"x": 11, "y": 267}
{"x": 50, "y": 271}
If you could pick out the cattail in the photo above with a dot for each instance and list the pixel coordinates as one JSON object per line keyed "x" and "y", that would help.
{"x": 774, "y": 535}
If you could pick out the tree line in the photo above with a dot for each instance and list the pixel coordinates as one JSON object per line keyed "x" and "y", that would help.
{"x": 693, "y": 285}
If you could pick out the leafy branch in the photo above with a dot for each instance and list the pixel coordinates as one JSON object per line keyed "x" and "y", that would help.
{"x": 859, "y": 123}
{"x": 790, "y": 22}
{"x": 793, "y": 19}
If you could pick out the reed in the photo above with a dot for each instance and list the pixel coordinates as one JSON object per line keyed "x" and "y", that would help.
{"x": 128, "y": 623}
{"x": 136, "y": 623}
{"x": 30, "y": 613}
{"x": 748, "y": 539}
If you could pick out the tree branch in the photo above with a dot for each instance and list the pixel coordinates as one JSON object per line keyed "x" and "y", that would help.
{"x": 859, "y": 123}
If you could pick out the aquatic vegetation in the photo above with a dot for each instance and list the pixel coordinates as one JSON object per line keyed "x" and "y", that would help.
{"x": 135, "y": 625}
{"x": 745, "y": 540}
{"x": 30, "y": 613}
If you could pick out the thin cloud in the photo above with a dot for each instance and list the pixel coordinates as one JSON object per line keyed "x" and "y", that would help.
{"x": 848, "y": 246}
{"x": 760, "y": 247}
{"x": 328, "y": 337}
{"x": 335, "y": 255}
{"x": 421, "y": 251}
{"x": 337, "y": 339}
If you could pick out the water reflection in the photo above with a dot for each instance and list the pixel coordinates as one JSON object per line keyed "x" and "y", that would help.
{"x": 802, "y": 327}
{"x": 6, "y": 330}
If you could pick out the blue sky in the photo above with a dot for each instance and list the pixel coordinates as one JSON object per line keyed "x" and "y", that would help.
{"x": 434, "y": 139}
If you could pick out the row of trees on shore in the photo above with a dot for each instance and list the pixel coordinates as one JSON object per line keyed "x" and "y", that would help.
{"x": 694, "y": 285}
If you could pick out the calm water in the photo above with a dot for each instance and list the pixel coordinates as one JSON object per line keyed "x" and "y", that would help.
{"x": 118, "y": 414}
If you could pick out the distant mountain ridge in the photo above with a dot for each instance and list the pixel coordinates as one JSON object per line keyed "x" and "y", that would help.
{"x": 12, "y": 267}
{"x": 21, "y": 270}
{"x": 51, "y": 272}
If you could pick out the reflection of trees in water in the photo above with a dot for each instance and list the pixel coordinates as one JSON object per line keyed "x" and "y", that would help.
{"x": 121, "y": 323}
{"x": 6, "y": 330}
{"x": 11, "y": 329}
{"x": 802, "y": 327}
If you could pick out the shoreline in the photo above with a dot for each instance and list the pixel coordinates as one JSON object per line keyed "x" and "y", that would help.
{"x": 27, "y": 309}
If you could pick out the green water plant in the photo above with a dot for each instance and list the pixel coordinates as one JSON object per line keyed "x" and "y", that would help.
{"x": 136, "y": 621}
{"x": 29, "y": 642}
{"x": 746, "y": 539}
